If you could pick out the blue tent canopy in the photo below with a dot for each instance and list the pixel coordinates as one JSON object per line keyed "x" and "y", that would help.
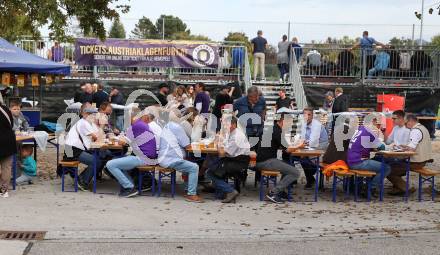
{"x": 16, "y": 60}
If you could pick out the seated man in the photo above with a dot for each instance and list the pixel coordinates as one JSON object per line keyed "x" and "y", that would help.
{"x": 79, "y": 139}
{"x": 267, "y": 159}
{"x": 419, "y": 142}
{"x": 399, "y": 136}
{"x": 364, "y": 140}
{"x": 234, "y": 151}
{"x": 173, "y": 141}
{"x": 315, "y": 136}
{"x": 143, "y": 143}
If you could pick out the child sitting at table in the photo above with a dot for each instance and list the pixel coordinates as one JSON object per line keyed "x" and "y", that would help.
{"x": 20, "y": 121}
{"x": 28, "y": 166}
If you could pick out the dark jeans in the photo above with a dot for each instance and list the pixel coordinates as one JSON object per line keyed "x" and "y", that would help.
{"x": 309, "y": 169}
{"x": 87, "y": 158}
{"x": 220, "y": 184}
{"x": 284, "y": 69}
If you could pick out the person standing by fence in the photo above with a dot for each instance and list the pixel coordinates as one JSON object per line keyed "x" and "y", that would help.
{"x": 282, "y": 58}
{"x": 259, "y": 45}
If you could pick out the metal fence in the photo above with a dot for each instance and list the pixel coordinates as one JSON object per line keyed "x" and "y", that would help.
{"x": 232, "y": 58}
{"x": 407, "y": 64}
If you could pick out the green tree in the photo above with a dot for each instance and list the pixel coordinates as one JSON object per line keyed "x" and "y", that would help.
{"x": 186, "y": 35}
{"x": 117, "y": 30}
{"x": 173, "y": 25}
{"x": 401, "y": 42}
{"x": 435, "y": 41}
{"x": 144, "y": 29}
{"x": 56, "y": 14}
{"x": 11, "y": 31}
{"x": 239, "y": 37}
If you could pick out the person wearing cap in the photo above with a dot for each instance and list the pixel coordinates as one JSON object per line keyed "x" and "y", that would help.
{"x": 143, "y": 142}
{"x": 162, "y": 95}
{"x": 78, "y": 141}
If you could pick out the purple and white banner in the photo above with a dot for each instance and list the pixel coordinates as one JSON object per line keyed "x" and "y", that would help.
{"x": 145, "y": 53}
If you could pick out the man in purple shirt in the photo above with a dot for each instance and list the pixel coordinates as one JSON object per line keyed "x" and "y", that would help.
{"x": 143, "y": 144}
{"x": 358, "y": 156}
{"x": 202, "y": 100}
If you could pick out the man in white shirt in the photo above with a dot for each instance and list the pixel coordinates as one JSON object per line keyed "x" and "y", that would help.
{"x": 315, "y": 136}
{"x": 173, "y": 141}
{"x": 79, "y": 140}
{"x": 234, "y": 153}
{"x": 399, "y": 136}
{"x": 419, "y": 142}
{"x": 400, "y": 133}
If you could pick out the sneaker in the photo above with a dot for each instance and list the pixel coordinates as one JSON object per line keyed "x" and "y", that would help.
{"x": 281, "y": 80}
{"x": 4, "y": 192}
{"x": 82, "y": 186}
{"x": 129, "y": 192}
{"x": 275, "y": 198}
{"x": 194, "y": 198}
{"x": 283, "y": 195}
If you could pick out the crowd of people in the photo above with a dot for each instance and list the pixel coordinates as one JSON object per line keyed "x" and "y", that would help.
{"x": 161, "y": 134}
{"x": 375, "y": 57}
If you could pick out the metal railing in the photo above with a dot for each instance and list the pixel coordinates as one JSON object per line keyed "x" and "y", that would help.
{"x": 384, "y": 64}
{"x": 232, "y": 61}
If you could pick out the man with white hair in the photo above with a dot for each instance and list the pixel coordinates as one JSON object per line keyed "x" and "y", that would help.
{"x": 173, "y": 141}
{"x": 143, "y": 143}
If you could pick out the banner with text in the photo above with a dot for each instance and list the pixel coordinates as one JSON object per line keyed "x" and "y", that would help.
{"x": 145, "y": 53}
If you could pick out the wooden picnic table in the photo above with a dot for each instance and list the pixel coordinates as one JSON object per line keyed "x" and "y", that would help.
{"x": 96, "y": 147}
{"x": 310, "y": 153}
{"x": 406, "y": 157}
{"x": 211, "y": 149}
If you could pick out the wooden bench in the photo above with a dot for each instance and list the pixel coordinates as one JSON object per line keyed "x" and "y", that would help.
{"x": 269, "y": 176}
{"x": 426, "y": 175}
{"x": 69, "y": 163}
{"x": 69, "y": 167}
{"x": 363, "y": 173}
{"x": 165, "y": 172}
{"x": 147, "y": 170}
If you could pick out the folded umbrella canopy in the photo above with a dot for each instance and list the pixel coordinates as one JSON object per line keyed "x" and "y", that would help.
{"x": 16, "y": 60}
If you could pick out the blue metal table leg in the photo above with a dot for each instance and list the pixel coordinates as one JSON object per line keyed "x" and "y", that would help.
{"x": 317, "y": 179}
{"x": 407, "y": 179}
{"x": 381, "y": 181}
{"x": 95, "y": 159}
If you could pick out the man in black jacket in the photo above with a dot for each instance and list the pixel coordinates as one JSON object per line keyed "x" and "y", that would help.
{"x": 7, "y": 150}
{"x": 100, "y": 96}
{"x": 340, "y": 104}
